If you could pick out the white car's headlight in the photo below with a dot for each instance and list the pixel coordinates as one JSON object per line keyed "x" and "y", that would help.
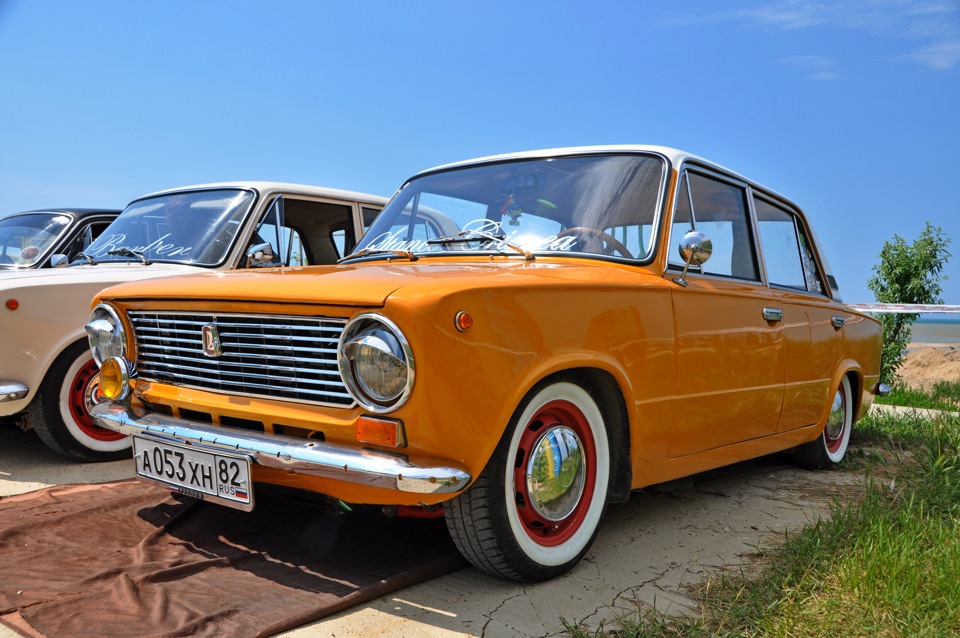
{"x": 105, "y": 334}
{"x": 376, "y": 363}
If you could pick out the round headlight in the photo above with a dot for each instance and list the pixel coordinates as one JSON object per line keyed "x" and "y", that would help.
{"x": 105, "y": 334}
{"x": 376, "y": 363}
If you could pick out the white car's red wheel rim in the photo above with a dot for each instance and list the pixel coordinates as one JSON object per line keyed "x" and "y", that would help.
{"x": 552, "y": 510}
{"x": 84, "y": 392}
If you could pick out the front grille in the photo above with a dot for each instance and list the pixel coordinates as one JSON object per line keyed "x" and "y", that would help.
{"x": 270, "y": 356}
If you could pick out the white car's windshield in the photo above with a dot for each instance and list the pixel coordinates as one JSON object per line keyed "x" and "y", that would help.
{"x": 585, "y": 205}
{"x": 25, "y": 239}
{"x": 196, "y": 227}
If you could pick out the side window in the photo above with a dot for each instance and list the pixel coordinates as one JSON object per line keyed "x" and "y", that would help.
{"x": 308, "y": 232}
{"x": 810, "y": 271}
{"x": 682, "y": 221}
{"x": 369, "y": 214}
{"x": 345, "y": 244}
{"x": 86, "y": 236}
{"x": 786, "y": 251}
{"x": 781, "y": 247}
{"x": 270, "y": 231}
{"x": 719, "y": 210}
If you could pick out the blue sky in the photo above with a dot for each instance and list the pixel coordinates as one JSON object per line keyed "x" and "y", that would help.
{"x": 851, "y": 109}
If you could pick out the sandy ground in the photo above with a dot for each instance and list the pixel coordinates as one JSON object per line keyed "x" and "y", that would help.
{"x": 925, "y": 364}
{"x": 649, "y": 550}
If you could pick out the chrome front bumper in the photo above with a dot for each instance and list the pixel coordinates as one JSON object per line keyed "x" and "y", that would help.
{"x": 350, "y": 464}
{"x": 11, "y": 391}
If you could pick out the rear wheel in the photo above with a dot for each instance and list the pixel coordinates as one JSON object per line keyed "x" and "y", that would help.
{"x": 535, "y": 509}
{"x": 830, "y": 447}
{"x": 60, "y": 410}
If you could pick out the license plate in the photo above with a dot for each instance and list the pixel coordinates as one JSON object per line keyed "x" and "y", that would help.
{"x": 209, "y": 476}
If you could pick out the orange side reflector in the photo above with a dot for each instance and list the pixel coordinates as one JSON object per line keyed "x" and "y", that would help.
{"x": 463, "y": 321}
{"x": 381, "y": 432}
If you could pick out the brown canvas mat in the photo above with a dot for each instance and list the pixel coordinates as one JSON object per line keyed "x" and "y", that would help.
{"x": 126, "y": 559}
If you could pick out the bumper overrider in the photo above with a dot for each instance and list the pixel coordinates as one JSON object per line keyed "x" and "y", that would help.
{"x": 12, "y": 391}
{"x": 351, "y": 464}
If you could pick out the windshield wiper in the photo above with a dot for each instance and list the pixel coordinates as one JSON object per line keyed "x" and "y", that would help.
{"x": 476, "y": 235}
{"x": 127, "y": 252}
{"x": 90, "y": 260}
{"x": 377, "y": 251}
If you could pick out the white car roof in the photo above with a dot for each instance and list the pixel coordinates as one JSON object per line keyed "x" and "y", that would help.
{"x": 267, "y": 187}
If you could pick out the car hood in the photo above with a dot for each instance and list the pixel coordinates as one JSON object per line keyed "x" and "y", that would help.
{"x": 105, "y": 274}
{"x": 370, "y": 285}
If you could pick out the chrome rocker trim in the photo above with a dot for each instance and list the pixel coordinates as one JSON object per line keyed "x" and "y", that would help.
{"x": 292, "y": 454}
{"x": 11, "y": 391}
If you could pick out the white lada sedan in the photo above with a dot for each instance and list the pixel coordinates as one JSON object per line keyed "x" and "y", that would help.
{"x": 48, "y": 380}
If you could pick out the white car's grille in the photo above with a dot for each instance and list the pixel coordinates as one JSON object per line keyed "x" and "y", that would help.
{"x": 281, "y": 357}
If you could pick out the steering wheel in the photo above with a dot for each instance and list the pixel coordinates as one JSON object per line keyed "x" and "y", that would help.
{"x": 608, "y": 243}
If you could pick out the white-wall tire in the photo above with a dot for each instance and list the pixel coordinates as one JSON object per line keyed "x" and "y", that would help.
{"x": 511, "y": 523}
{"x": 59, "y": 413}
{"x": 830, "y": 447}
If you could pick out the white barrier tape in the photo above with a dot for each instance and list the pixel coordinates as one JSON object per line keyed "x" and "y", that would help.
{"x": 904, "y": 308}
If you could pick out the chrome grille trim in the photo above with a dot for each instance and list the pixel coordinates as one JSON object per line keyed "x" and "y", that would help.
{"x": 263, "y": 355}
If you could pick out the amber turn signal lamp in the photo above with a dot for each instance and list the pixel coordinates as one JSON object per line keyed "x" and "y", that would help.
{"x": 463, "y": 321}
{"x": 114, "y": 379}
{"x": 384, "y": 432}
{"x": 12, "y": 304}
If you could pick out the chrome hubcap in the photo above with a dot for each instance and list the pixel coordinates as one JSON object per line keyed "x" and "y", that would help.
{"x": 837, "y": 414}
{"x": 556, "y": 473}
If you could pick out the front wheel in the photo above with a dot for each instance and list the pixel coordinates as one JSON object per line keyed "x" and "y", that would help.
{"x": 535, "y": 509}
{"x": 60, "y": 410}
{"x": 830, "y": 447}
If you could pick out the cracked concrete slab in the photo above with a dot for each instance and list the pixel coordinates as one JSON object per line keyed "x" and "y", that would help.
{"x": 649, "y": 550}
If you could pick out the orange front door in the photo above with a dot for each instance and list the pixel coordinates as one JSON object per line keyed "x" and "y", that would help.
{"x": 730, "y": 355}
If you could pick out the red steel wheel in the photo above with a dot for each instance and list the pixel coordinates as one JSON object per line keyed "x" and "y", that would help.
{"x": 84, "y": 393}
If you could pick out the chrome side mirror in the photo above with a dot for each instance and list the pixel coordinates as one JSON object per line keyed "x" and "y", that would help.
{"x": 695, "y": 249}
{"x": 59, "y": 260}
{"x": 259, "y": 254}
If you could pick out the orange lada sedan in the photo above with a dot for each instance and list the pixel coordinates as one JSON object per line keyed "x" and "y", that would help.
{"x": 516, "y": 342}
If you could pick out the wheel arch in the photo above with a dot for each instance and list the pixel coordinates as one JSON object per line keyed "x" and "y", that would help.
{"x": 851, "y": 369}
{"x": 606, "y": 391}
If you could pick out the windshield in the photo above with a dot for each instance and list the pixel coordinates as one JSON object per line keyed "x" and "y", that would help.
{"x": 195, "y": 227}
{"x": 593, "y": 205}
{"x": 25, "y": 239}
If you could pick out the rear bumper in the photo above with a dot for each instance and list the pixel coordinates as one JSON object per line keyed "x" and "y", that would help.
{"x": 351, "y": 464}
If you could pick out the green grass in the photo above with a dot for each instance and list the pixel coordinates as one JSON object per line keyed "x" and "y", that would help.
{"x": 943, "y": 395}
{"x": 885, "y": 565}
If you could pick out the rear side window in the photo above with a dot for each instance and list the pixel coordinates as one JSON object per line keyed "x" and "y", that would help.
{"x": 787, "y": 252}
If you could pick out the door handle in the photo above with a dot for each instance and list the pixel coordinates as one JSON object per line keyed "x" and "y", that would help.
{"x": 772, "y": 314}
{"x": 838, "y": 322}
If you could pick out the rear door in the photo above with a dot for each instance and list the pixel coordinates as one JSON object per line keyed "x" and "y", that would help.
{"x": 811, "y": 323}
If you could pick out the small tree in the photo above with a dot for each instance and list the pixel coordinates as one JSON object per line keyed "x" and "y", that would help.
{"x": 907, "y": 274}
